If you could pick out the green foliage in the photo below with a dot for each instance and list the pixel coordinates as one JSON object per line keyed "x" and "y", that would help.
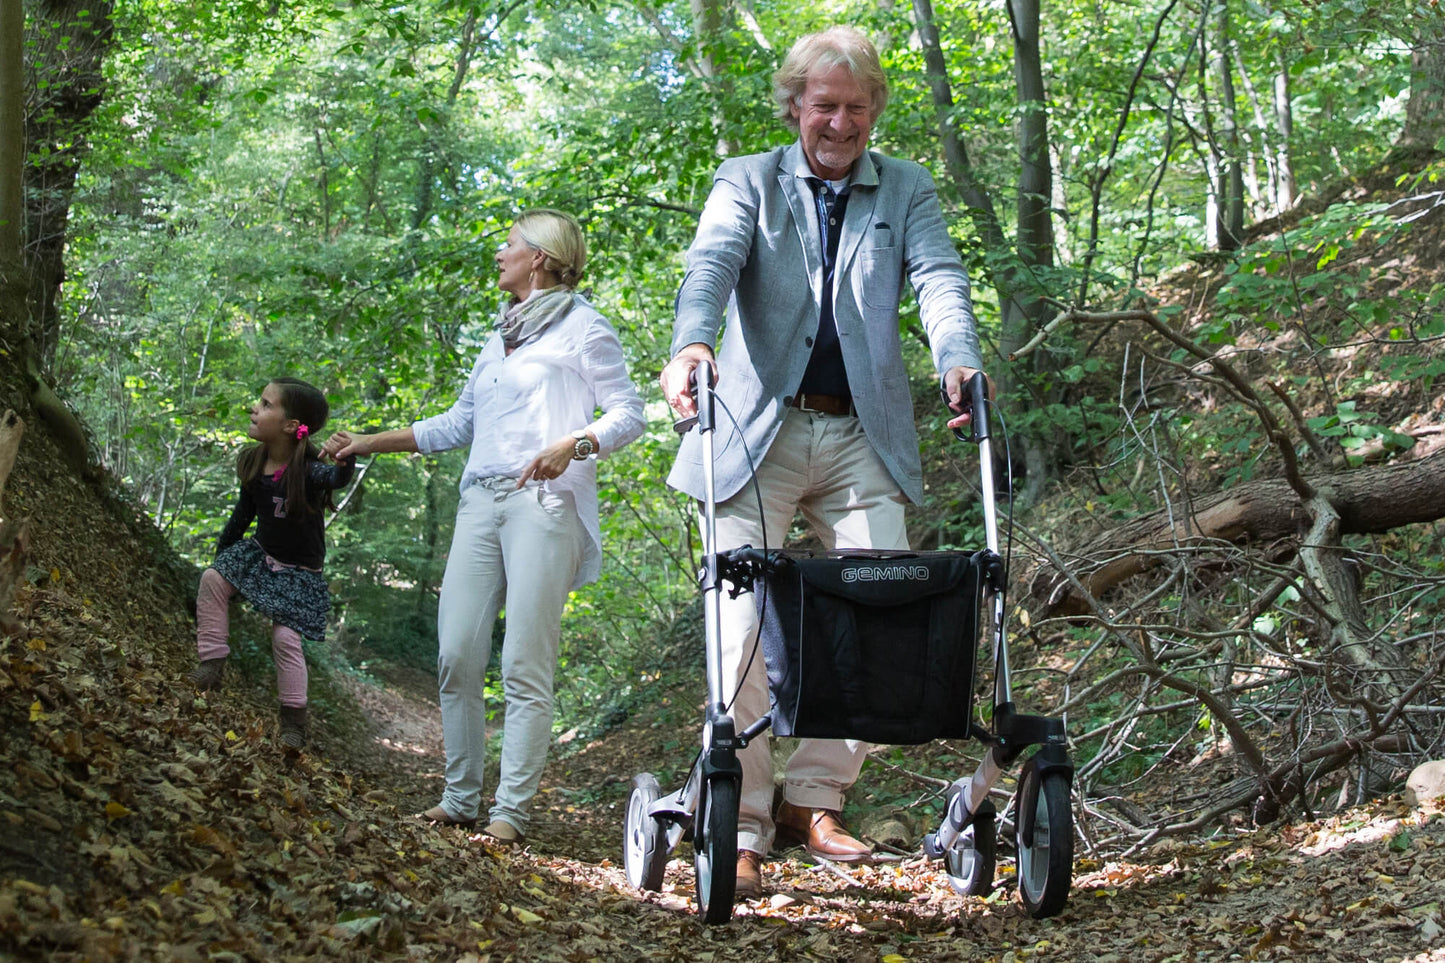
{"x": 317, "y": 189}
{"x": 1352, "y": 429}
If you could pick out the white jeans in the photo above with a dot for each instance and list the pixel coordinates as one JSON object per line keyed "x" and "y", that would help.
{"x": 517, "y": 550}
{"x": 823, "y": 466}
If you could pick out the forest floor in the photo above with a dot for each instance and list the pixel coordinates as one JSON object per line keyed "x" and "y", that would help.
{"x": 1367, "y": 884}
{"x": 144, "y": 823}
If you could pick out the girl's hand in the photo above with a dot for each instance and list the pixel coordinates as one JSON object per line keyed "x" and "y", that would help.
{"x": 551, "y": 463}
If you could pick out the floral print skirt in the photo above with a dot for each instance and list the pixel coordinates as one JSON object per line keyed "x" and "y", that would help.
{"x": 295, "y": 597}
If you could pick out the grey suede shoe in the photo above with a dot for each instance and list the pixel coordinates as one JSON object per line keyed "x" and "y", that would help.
{"x": 440, "y": 816}
{"x": 207, "y": 675}
{"x": 293, "y": 727}
{"x": 504, "y": 832}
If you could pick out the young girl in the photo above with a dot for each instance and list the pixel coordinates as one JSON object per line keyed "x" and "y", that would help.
{"x": 285, "y": 487}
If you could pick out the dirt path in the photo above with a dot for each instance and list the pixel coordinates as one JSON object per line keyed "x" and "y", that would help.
{"x": 145, "y": 824}
{"x": 1365, "y": 886}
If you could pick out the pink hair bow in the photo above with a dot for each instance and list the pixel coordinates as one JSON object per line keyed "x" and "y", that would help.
{"x": 301, "y": 432}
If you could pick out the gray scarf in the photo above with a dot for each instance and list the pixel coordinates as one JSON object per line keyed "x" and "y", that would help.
{"x": 522, "y": 321}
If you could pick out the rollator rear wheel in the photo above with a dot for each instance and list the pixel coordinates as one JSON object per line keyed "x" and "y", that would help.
{"x": 715, "y": 848}
{"x": 972, "y": 859}
{"x": 1045, "y": 842}
{"x": 644, "y": 846}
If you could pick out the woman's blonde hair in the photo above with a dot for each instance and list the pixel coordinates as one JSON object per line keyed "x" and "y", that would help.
{"x": 822, "y": 52}
{"x": 557, "y": 235}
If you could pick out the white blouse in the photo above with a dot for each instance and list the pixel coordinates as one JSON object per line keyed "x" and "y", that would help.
{"x": 515, "y": 405}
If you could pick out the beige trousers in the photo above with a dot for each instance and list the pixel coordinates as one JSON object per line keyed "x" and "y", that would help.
{"x": 518, "y": 551}
{"x": 823, "y": 466}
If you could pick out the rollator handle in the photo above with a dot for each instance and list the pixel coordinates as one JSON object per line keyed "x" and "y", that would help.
{"x": 702, "y": 382}
{"x": 975, "y": 401}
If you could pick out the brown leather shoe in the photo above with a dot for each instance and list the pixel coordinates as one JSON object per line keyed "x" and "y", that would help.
{"x": 822, "y": 832}
{"x": 750, "y": 876}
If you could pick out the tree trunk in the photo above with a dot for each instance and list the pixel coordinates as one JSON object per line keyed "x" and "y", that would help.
{"x": 1028, "y": 307}
{"x": 1284, "y": 120}
{"x": 709, "y": 21}
{"x": 1231, "y": 174}
{"x": 1425, "y": 111}
{"x": 14, "y": 538}
{"x": 1020, "y": 306}
{"x": 955, "y": 154}
{"x": 13, "y": 323}
{"x": 1036, "y": 236}
{"x": 426, "y": 168}
{"x": 1369, "y": 501}
{"x": 67, "y": 41}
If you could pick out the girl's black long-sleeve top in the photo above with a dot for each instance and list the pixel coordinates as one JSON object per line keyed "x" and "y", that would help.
{"x": 299, "y": 541}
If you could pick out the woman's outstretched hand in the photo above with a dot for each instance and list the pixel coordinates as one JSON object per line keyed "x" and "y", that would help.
{"x": 343, "y": 444}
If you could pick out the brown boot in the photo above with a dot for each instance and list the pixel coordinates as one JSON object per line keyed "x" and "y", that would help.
{"x": 822, "y": 832}
{"x": 207, "y": 675}
{"x": 750, "y": 876}
{"x": 293, "y": 727}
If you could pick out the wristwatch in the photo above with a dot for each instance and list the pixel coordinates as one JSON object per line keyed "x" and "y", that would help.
{"x": 583, "y": 446}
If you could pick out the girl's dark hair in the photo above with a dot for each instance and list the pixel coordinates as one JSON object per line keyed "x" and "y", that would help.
{"x": 305, "y": 403}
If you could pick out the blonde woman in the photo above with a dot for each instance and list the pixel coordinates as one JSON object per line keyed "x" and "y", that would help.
{"x": 526, "y": 531}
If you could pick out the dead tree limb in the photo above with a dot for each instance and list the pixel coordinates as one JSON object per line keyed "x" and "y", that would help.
{"x": 1367, "y": 501}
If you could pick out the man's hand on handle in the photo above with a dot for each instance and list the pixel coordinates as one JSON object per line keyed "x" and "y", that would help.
{"x": 676, "y": 378}
{"x": 955, "y": 381}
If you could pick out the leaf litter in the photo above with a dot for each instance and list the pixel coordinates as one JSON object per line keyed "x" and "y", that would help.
{"x": 139, "y": 822}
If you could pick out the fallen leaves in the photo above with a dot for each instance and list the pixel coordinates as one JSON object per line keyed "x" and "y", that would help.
{"x": 137, "y": 821}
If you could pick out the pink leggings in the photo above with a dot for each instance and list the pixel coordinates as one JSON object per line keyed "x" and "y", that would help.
{"x": 213, "y": 629}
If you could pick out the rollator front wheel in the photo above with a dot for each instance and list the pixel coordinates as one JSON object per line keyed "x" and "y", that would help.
{"x": 972, "y": 859}
{"x": 715, "y": 848}
{"x": 644, "y": 846}
{"x": 1044, "y": 831}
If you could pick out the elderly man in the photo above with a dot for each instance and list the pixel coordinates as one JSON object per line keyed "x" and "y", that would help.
{"x": 805, "y": 248}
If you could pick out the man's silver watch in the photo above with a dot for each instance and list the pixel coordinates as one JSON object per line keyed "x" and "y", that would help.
{"x": 583, "y": 446}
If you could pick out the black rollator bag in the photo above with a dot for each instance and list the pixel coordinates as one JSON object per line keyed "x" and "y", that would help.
{"x": 870, "y": 645}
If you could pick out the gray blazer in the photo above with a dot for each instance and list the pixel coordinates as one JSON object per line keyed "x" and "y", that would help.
{"x": 758, "y": 255}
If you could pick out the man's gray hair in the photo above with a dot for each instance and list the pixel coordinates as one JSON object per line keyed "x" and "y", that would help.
{"x": 822, "y": 52}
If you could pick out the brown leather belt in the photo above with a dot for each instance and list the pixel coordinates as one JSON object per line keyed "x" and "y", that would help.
{"x": 824, "y": 404}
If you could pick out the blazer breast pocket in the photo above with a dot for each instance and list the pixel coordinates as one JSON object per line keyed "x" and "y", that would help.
{"x": 879, "y": 280}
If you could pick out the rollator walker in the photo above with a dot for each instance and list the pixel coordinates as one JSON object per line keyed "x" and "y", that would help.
{"x": 871, "y": 645}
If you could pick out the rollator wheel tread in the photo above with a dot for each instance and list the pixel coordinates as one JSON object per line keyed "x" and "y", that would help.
{"x": 644, "y": 844}
{"x": 715, "y": 849}
{"x": 1045, "y": 843}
